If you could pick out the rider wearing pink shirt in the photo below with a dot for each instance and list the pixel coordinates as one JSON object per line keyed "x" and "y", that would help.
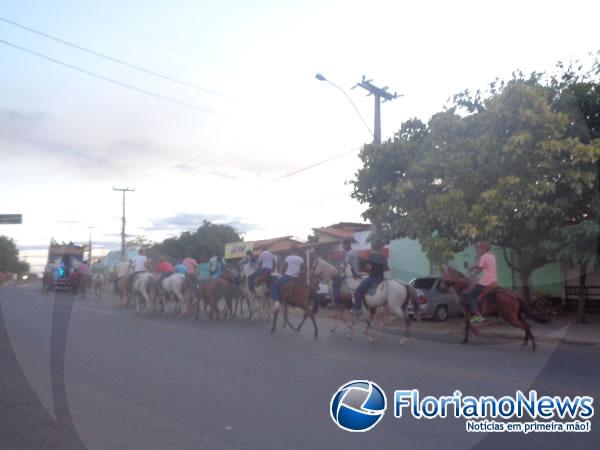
{"x": 487, "y": 265}
{"x": 190, "y": 264}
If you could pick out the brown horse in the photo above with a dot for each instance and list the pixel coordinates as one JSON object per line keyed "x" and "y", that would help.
{"x": 122, "y": 291}
{"x": 83, "y": 285}
{"x": 503, "y": 302}
{"x": 298, "y": 294}
{"x": 211, "y": 291}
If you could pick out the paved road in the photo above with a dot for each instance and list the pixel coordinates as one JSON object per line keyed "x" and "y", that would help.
{"x": 121, "y": 381}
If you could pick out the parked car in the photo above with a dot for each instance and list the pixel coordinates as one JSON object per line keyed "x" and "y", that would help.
{"x": 436, "y": 301}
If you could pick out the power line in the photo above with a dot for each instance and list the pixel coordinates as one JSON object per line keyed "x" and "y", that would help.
{"x": 321, "y": 200}
{"x": 295, "y": 172}
{"x": 112, "y": 59}
{"x": 113, "y": 81}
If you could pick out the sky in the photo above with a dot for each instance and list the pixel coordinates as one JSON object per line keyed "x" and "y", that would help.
{"x": 218, "y": 153}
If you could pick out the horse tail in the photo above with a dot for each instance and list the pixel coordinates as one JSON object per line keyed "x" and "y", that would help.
{"x": 530, "y": 314}
{"x": 413, "y": 296}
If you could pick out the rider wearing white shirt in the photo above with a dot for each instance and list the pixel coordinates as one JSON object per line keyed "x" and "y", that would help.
{"x": 138, "y": 264}
{"x": 266, "y": 264}
{"x": 293, "y": 265}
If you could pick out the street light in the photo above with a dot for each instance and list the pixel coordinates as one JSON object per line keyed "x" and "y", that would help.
{"x": 321, "y": 77}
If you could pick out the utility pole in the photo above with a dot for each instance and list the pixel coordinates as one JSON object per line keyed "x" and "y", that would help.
{"x": 378, "y": 93}
{"x": 124, "y": 190}
{"x": 90, "y": 246}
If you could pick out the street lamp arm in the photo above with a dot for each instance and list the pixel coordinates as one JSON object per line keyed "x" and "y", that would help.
{"x": 320, "y": 77}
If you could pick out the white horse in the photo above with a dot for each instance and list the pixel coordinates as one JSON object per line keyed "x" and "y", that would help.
{"x": 325, "y": 272}
{"x": 262, "y": 297}
{"x": 391, "y": 296}
{"x": 175, "y": 288}
{"x": 144, "y": 291}
{"x": 98, "y": 282}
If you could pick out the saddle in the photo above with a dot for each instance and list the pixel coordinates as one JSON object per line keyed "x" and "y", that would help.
{"x": 288, "y": 284}
{"x": 163, "y": 278}
{"x": 266, "y": 278}
{"x": 488, "y": 294}
{"x": 374, "y": 286}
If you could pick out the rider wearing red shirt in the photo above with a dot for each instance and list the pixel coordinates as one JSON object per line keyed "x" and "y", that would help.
{"x": 164, "y": 269}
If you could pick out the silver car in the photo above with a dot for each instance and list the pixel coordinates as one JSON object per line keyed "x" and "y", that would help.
{"x": 437, "y": 302}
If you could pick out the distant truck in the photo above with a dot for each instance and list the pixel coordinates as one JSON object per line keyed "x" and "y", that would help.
{"x": 63, "y": 259}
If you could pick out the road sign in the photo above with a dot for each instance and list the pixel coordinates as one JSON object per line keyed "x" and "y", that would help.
{"x": 11, "y": 219}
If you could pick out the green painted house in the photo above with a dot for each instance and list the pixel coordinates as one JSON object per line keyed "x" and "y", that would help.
{"x": 408, "y": 261}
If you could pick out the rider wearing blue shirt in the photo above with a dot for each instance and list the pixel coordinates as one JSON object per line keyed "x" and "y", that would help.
{"x": 180, "y": 268}
{"x": 377, "y": 266}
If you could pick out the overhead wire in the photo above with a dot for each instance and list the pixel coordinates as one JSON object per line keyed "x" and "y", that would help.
{"x": 113, "y": 59}
{"x": 160, "y": 96}
{"x": 113, "y": 81}
{"x": 303, "y": 169}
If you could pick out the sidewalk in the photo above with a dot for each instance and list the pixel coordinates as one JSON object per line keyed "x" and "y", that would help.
{"x": 562, "y": 329}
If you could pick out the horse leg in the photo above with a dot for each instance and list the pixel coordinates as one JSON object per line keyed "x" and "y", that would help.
{"x": 312, "y": 318}
{"x": 520, "y": 323}
{"x": 249, "y": 308}
{"x": 339, "y": 316}
{"x": 137, "y": 304}
{"x": 286, "y": 317}
{"x": 274, "y": 321}
{"x": 306, "y": 315}
{"x": 197, "y": 308}
{"x": 382, "y": 328}
{"x": 229, "y": 302}
{"x": 467, "y": 327}
{"x": 236, "y": 304}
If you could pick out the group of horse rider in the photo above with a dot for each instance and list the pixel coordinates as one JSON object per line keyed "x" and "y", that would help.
{"x": 377, "y": 265}
{"x": 266, "y": 263}
{"x": 83, "y": 269}
{"x": 163, "y": 268}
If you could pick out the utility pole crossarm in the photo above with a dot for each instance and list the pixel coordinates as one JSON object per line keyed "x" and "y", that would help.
{"x": 378, "y": 94}
{"x": 377, "y": 91}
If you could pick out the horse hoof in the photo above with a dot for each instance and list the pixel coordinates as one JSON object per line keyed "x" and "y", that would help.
{"x": 348, "y": 336}
{"x": 371, "y": 339}
{"x": 403, "y": 341}
{"x": 272, "y": 330}
{"x": 332, "y": 330}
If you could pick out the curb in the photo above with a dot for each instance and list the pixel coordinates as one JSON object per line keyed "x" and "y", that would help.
{"x": 495, "y": 335}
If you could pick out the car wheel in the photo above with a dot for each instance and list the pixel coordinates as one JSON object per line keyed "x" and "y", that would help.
{"x": 441, "y": 313}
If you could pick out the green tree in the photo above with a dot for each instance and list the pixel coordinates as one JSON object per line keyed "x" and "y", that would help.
{"x": 140, "y": 242}
{"x": 9, "y": 257}
{"x": 206, "y": 241}
{"x": 578, "y": 96}
{"x": 502, "y": 167}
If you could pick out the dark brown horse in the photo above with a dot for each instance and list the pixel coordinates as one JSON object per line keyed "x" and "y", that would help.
{"x": 298, "y": 294}
{"x": 501, "y": 301}
{"x": 212, "y": 290}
